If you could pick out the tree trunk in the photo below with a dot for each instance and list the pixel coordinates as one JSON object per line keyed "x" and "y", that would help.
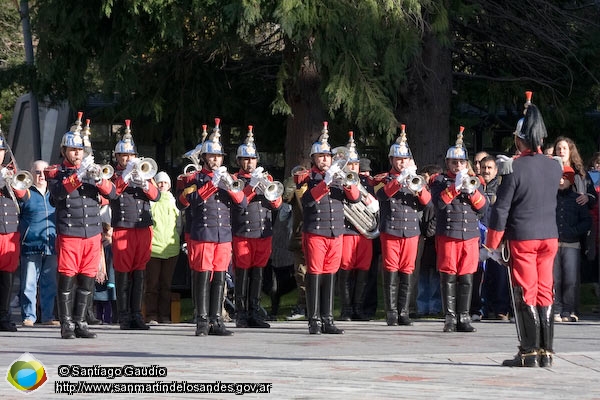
{"x": 424, "y": 104}
{"x": 305, "y": 123}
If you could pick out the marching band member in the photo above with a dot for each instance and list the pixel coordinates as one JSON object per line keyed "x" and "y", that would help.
{"x": 132, "y": 229}
{"x": 252, "y": 236}
{"x": 525, "y": 214}
{"x": 460, "y": 203}
{"x": 323, "y": 227}
{"x": 10, "y": 239}
{"x": 401, "y": 200}
{"x": 76, "y": 187}
{"x": 357, "y": 253}
{"x": 210, "y": 194}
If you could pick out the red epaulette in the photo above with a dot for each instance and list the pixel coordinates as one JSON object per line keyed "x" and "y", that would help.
{"x": 301, "y": 177}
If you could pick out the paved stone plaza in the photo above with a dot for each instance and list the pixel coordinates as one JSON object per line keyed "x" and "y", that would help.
{"x": 371, "y": 361}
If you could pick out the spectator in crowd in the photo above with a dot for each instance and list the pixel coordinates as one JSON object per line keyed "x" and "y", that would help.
{"x": 573, "y": 221}
{"x": 38, "y": 252}
{"x": 167, "y": 228}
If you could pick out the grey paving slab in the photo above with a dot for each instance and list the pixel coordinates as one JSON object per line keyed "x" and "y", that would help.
{"x": 371, "y": 360}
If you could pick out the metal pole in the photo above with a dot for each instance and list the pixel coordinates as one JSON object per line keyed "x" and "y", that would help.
{"x": 35, "y": 114}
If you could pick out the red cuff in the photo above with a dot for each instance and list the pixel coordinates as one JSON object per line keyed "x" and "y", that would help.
{"x": 424, "y": 196}
{"x": 104, "y": 187}
{"x": 71, "y": 183}
{"x": 391, "y": 188}
{"x": 249, "y": 192}
{"x": 237, "y": 197}
{"x": 477, "y": 200}
{"x": 207, "y": 190}
{"x": 352, "y": 192}
{"x": 449, "y": 194}
{"x": 493, "y": 239}
{"x": 319, "y": 191}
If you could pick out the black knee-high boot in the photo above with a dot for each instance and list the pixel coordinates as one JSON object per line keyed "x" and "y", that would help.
{"x": 83, "y": 295}
{"x": 463, "y": 303}
{"x": 404, "y": 299}
{"x": 241, "y": 297}
{"x": 448, "y": 288}
{"x": 66, "y": 286}
{"x": 122, "y": 284}
{"x": 217, "y": 285}
{"x": 313, "y": 283}
{"x": 137, "y": 298}
{"x": 344, "y": 293}
{"x": 546, "y": 335}
{"x": 6, "y": 279}
{"x": 202, "y": 300}
{"x": 390, "y": 296}
{"x": 255, "y": 319}
{"x": 326, "y": 299}
{"x": 527, "y": 320}
{"x": 360, "y": 283}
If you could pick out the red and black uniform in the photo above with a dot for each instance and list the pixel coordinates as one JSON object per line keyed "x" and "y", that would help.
{"x": 252, "y": 228}
{"x": 209, "y": 243}
{"x": 79, "y": 227}
{"x": 525, "y": 214}
{"x": 400, "y": 229}
{"x": 322, "y": 241}
{"x": 357, "y": 254}
{"x": 10, "y": 249}
{"x": 131, "y": 245}
{"x": 457, "y": 246}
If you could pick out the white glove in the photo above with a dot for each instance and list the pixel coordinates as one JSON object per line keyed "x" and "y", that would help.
{"x": 504, "y": 164}
{"x": 484, "y": 254}
{"x": 331, "y": 173}
{"x": 461, "y": 176}
{"x": 412, "y": 170}
{"x": 128, "y": 170}
{"x": 255, "y": 176}
{"x": 3, "y": 173}
{"x": 86, "y": 163}
{"x": 218, "y": 174}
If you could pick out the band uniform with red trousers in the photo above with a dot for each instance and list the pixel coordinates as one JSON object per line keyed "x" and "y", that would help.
{"x": 525, "y": 215}
{"x": 323, "y": 227}
{"x": 76, "y": 189}
{"x": 459, "y": 207}
{"x": 131, "y": 220}
{"x": 10, "y": 239}
{"x": 357, "y": 249}
{"x": 252, "y": 229}
{"x": 401, "y": 201}
{"x": 210, "y": 198}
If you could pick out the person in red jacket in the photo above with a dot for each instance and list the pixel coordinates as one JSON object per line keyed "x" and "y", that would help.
{"x": 460, "y": 203}
{"x": 401, "y": 200}
{"x": 132, "y": 229}
{"x": 76, "y": 188}
{"x": 525, "y": 215}
{"x": 209, "y": 195}
{"x": 10, "y": 242}
{"x": 252, "y": 228}
{"x": 323, "y": 227}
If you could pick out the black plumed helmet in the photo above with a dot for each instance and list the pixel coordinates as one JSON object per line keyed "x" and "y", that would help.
{"x": 533, "y": 132}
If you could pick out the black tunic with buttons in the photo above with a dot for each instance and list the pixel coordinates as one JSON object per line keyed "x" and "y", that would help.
{"x": 459, "y": 219}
